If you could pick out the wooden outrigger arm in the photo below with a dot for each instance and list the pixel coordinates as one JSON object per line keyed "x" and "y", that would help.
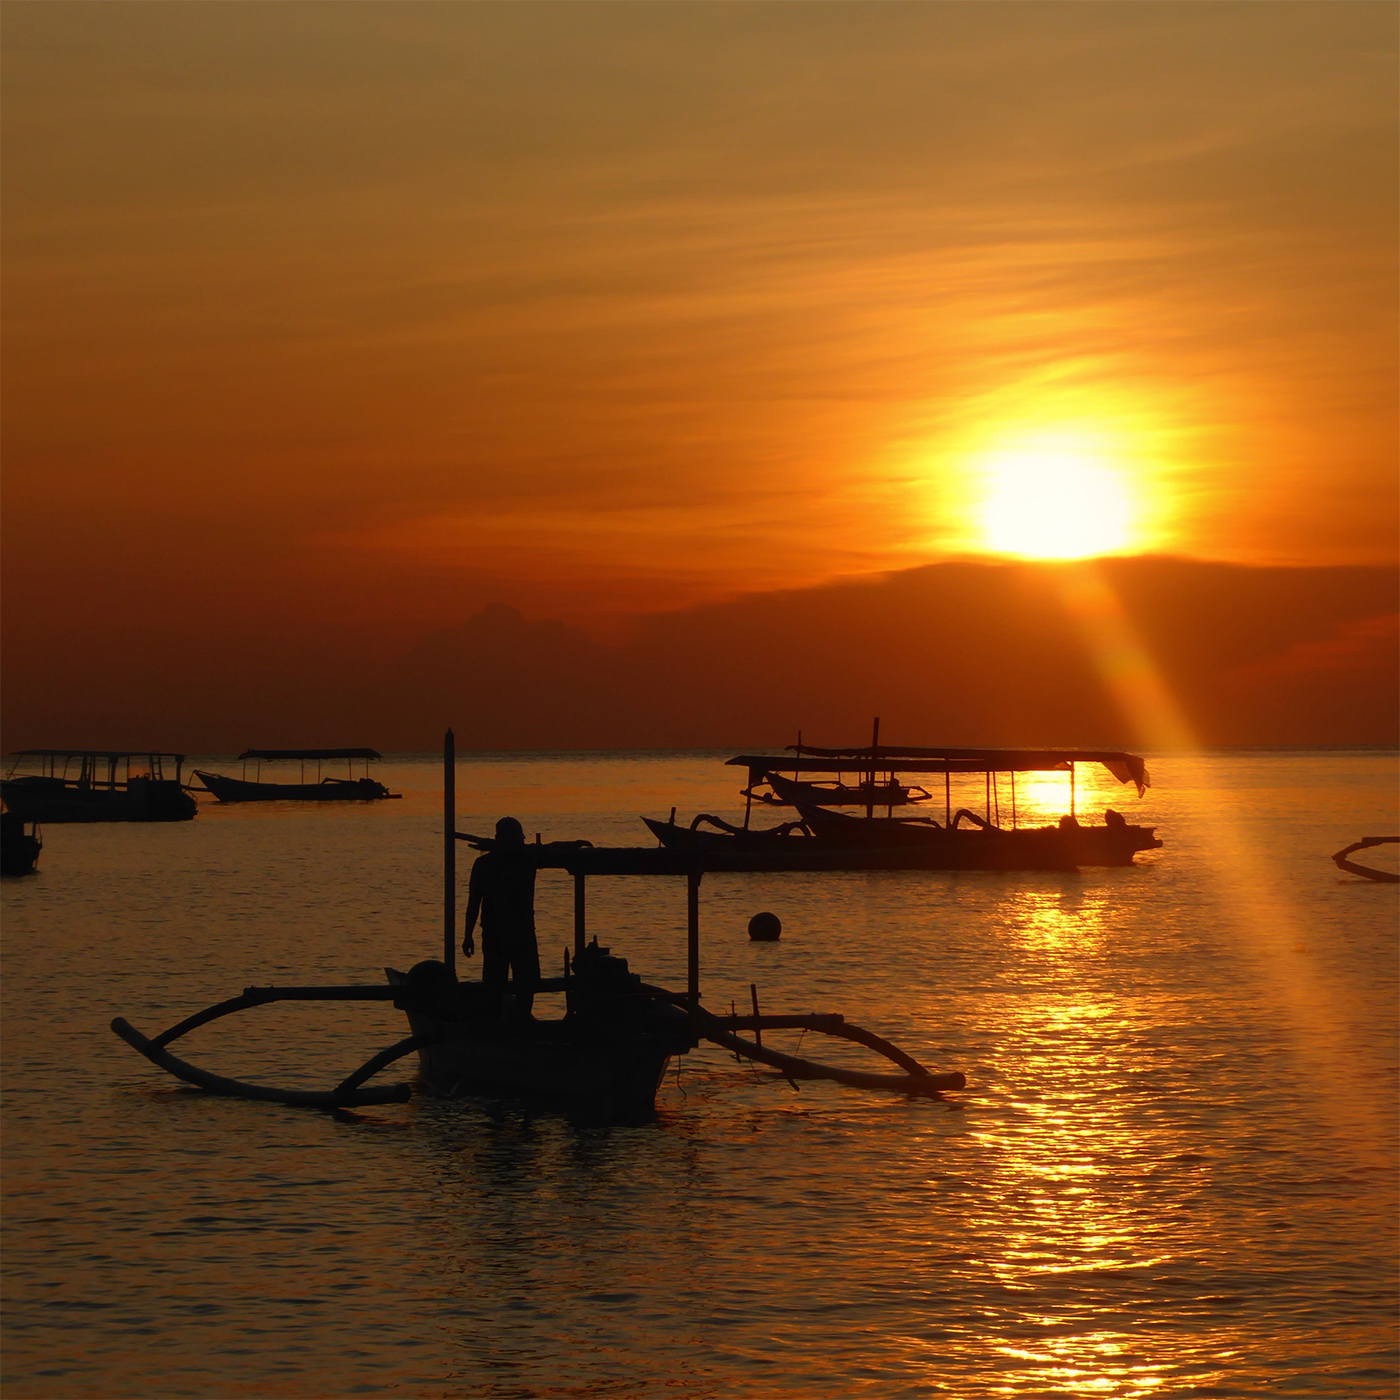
{"x": 722, "y": 1030}
{"x": 349, "y": 1093}
{"x": 346, "y": 1094}
{"x": 1387, "y": 877}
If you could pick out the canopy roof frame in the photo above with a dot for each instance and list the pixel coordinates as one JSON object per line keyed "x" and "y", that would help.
{"x": 309, "y": 753}
{"x": 1126, "y": 767}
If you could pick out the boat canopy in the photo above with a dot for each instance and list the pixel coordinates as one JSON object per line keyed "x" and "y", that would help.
{"x": 95, "y": 753}
{"x": 1126, "y": 767}
{"x": 311, "y": 753}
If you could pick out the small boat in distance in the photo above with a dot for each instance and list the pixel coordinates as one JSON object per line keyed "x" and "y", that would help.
{"x": 107, "y": 787}
{"x": 20, "y": 844}
{"x": 324, "y": 789}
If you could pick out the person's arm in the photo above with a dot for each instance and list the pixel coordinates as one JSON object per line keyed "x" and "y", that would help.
{"x": 473, "y": 910}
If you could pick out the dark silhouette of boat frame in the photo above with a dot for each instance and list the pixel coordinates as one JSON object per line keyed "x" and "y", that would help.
{"x": 103, "y": 790}
{"x": 20, "y": 844}
{"x": 824, "y": 838}
{"x": 1367, "y": 872}
{"x": 332, "y": 789}
{"x": 603, "y": 1059}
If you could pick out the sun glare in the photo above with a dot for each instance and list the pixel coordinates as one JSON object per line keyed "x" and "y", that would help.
{"x": 1053, "y": 500}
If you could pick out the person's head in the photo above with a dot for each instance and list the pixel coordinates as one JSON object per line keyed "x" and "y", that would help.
{"x": 510, "y": 832}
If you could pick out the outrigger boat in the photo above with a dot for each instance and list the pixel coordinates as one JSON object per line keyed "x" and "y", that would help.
{"x": 105, "y": 787}
{"x": 825, "y": 838}
{"x": 333, "y": 789}
{"x": 603, "y": 1059}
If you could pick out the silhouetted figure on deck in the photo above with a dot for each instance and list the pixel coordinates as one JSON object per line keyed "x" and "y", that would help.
{"x": 502, "y": 892}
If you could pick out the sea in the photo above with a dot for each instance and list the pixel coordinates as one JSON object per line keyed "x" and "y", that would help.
{"x": 1173, "y": 1171}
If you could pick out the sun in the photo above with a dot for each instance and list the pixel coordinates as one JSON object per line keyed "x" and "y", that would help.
{"x": 1053, "y": 500}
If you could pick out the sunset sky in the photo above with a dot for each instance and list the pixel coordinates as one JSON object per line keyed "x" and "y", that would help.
{"x": 341, "y": 322}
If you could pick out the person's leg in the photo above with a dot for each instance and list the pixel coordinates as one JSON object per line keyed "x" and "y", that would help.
{"x": 525, "y": 962}
{"x": 495, "y": 968}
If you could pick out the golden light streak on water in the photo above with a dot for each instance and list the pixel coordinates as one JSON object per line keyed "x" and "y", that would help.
{"x": 1263, "y": 914}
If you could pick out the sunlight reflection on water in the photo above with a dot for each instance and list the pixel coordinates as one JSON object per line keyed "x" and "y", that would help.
{"x": 1148, "y": 1188}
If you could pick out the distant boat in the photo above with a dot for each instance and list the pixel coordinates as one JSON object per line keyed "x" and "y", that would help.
{"x": 889, "y": 793}
{"x": 107, "y": 787}
{"x": 1367, "y": 872}
{"x": 20, "y": 844}
{"x": 873, "y": 777}
{"x": 332, "y": 789}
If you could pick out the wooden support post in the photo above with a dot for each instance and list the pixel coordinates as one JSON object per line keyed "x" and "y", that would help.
{"x": 1071, "y": 787}
{"x": 449, "y": 852}
{"x": 947, "y": 797}
{"x": 1013, "y": 799}
{"x": 580, "y": 917}
{"x": 753, "y": 997}
{"x": 874, "y": 745}
{"x": 692, "y": 910}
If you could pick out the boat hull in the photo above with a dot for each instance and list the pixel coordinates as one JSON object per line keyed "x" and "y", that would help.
{"x": 890, "y": 794}
{"x": 330, "y": 790}
{"x": 53, "y": 800}
{"x": 857, "y": 843}
{"x": 19, "y": 849}
{"x": 599, "y": 1072}
{"x": 1065, "y": 846}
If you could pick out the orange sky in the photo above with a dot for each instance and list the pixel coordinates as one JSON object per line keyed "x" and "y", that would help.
{"x": 357, "y": 317}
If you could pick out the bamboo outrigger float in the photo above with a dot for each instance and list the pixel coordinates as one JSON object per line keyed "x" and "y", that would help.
{"x": 604, "y": 1058}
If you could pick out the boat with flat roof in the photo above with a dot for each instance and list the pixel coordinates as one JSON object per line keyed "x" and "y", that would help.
{"x": 96, "y": 785}
{"x": 818, "y": 782}
{"x": 331, "y": 788}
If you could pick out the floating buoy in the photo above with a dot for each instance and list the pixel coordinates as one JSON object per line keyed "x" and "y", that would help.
{"x": 765, "y": 927}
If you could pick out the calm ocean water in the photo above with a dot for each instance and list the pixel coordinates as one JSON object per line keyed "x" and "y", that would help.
{"x": 1174, "y": 1170}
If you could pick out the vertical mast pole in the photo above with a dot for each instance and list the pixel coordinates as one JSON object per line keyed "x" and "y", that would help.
{"x": 1071, "y": 787}
{"x": 449, "y": 852}
{"x": 692, "y": 911}
{"x": 874, "y": 744}
{"x": 580, "y": 913}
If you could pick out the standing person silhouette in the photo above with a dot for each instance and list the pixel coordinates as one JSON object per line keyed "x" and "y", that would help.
{"x": 502, "y": 892}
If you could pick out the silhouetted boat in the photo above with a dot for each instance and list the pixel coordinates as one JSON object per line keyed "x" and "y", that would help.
{"x": 20, "y": 844}
{"x": 1367, "y": 872}
{"x": 965, "y": 840}
{"x": 603, "y": 1058}
{"x": 347, "y": 789}
{"x": 96, "y": 793}
{"x": 890, "y": 793}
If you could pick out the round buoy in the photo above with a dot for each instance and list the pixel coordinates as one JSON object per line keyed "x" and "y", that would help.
{"x": 765, "y": 927}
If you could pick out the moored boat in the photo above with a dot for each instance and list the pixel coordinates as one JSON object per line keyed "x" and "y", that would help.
{"x": 324, "y": 789}
{"x": 874, "y": 777}
{"x": 108, "y": 786}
